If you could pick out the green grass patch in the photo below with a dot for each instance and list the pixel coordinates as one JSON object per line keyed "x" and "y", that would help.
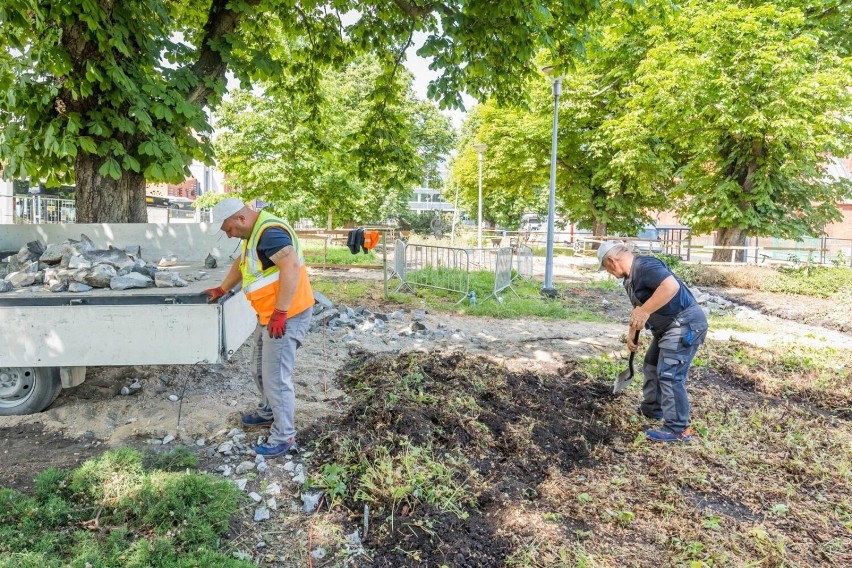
{"x": 727, "y": 320}
{"x": 527, "y": 303}
{"x": 820, "y": 281}
{"x": 337, "y": 255}
{"x": 113, "y": 511}
{"x": 349, "y": 291}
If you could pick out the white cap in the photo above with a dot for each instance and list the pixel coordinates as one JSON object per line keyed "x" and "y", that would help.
{"x": 604, "y": 250}
{"x": 226, "y": 208}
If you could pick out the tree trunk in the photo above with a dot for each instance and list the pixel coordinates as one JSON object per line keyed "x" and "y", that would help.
{"x": 729, "y": 237}
{"x": 599, "y": 228}
{"x": 105, "y": 200}
{"x": 328, "y": 225}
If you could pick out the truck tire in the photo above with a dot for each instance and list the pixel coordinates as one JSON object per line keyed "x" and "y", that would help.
{"x": 26, "y": 390}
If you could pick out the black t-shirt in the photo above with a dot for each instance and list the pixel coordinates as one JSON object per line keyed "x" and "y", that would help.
{"x": 271, "y": 241}
{"x": 647, "y": 274}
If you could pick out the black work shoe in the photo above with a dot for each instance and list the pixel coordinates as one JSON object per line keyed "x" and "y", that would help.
{"x": 255, "y": 420}
{"x": 649, "y": 415}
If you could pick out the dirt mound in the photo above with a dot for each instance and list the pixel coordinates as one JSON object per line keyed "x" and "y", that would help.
{"x": 497, "y": 433}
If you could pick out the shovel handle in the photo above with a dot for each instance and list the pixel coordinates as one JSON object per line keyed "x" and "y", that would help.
{"x": 633, "y": 353}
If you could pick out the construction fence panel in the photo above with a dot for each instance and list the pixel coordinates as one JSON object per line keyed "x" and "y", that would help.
{"x": 502, "y": 271}
{"x": 524, "y": 262}
{"x": 442, "y": 268}
{"x": 399, "y": 260}
{"x": 483, "y": 260}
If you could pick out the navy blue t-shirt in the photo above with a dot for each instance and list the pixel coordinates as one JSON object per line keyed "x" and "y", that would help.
{"x": 647, "y": 274}
{"x": 271, "y": 241}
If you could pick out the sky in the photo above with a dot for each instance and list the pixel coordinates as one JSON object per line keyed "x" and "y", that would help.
{"x": 419, "y": 67}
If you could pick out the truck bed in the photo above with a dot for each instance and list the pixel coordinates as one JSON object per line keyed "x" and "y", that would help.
{"x": 190, "y": 294}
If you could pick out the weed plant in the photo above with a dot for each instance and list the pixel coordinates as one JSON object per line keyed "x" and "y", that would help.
{"x": 112, "y": 511}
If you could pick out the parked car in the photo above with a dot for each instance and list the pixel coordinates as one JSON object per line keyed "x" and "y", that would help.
{"x": 647, "y": 241}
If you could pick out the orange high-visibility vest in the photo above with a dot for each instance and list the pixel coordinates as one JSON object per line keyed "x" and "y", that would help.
{"x": 261, "y": 286}
{"x": 371, "y": 239}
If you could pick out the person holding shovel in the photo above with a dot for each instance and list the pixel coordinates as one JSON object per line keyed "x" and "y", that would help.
{"x": 665, "y": 306}
{"x": 275, "y": 281}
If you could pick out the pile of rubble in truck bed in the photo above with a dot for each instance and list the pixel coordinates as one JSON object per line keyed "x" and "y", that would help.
{"x": 77, "y": 266}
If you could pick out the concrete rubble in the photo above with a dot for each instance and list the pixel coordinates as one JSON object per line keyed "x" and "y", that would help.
{"x": 360, "y": 327}
{"x": 79, "y": 266}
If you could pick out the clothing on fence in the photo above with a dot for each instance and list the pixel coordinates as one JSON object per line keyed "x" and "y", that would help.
{"x": 358, "y": 240}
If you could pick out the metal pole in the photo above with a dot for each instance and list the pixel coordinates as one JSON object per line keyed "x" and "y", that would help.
{"x": 479, "y": 215}
{"x": 480, "y": 149}
{"x": 548, "y": 289}
{"x": 385, "y": 262}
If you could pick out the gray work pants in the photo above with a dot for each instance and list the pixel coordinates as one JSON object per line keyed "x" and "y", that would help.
{"x": 666, "y": 366}
{"x": 274, "y": 361}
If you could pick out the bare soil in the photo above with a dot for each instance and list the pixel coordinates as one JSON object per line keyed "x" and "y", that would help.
{"x": 513, "y": 431}
{"x": 530, "y": 354}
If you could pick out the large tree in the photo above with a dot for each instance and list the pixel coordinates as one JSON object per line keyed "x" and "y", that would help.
{"x": 752, "y": 98}
{"x": 108, "y": 94}
{"x": 271, "y": 149}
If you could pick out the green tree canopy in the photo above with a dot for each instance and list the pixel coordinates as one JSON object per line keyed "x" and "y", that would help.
{"x": 726, "y": 113}
{"x": 607, "y": 180}
{"x": 109, "y": 94}
{"x": 752, "y": 100}
{"x": 271, "y": 149}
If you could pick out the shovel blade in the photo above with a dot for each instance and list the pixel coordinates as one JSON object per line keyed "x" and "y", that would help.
{"x": 622, "y": 381}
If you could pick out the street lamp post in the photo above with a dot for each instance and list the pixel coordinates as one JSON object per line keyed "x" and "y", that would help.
{"x": 548, "y": 289}
{"x": 480, "y": 149}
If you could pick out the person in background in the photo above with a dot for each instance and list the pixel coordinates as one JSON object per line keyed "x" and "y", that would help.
{"x": 275, "y": 281}
{"x": 664, "y": 305}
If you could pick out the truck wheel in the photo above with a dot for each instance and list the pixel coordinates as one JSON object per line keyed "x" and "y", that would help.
{"x": 26, "y": 390}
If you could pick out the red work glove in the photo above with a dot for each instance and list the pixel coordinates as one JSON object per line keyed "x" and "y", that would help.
{"x": 277, "y": 324}
{"x": 214, "y": 294}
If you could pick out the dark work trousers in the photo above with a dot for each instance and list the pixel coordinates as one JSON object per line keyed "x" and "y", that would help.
{"x": 666, "y": 366}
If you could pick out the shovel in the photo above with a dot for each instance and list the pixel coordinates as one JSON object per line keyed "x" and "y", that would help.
{"x": 626, "y": 377}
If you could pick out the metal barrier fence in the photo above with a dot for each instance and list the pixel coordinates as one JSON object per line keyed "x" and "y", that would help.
{"x": 442, "y": 268}
{"x": 35, "y": 209}
{"x": 399, "y": 260}
{"x": 524, "y": 263}
{"x": 449, "y": 268}
{"x": 502, "y": 272}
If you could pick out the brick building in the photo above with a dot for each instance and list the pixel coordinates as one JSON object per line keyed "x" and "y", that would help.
{"x": 839, "y": 168}
{"x": 188, "y": 189}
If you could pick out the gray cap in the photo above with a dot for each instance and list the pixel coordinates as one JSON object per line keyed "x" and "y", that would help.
{"x": 226, "y": 208}
{"x": 605, "y": 248}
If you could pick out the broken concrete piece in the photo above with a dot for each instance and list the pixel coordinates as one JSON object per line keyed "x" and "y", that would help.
{"x": 210, "y": 261}
{"x": 78, "y": 287}
{"x": 168, "y": 261}
{"x": 129, "y": 281}
{"x": 20, "y": 279}
{"x": 118, "y": 259}
{"x": 53, "y": 253}
{"x": 322, "y": 300}
{"x": 168, "y": 279}
{"x": 100, "y": 276}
